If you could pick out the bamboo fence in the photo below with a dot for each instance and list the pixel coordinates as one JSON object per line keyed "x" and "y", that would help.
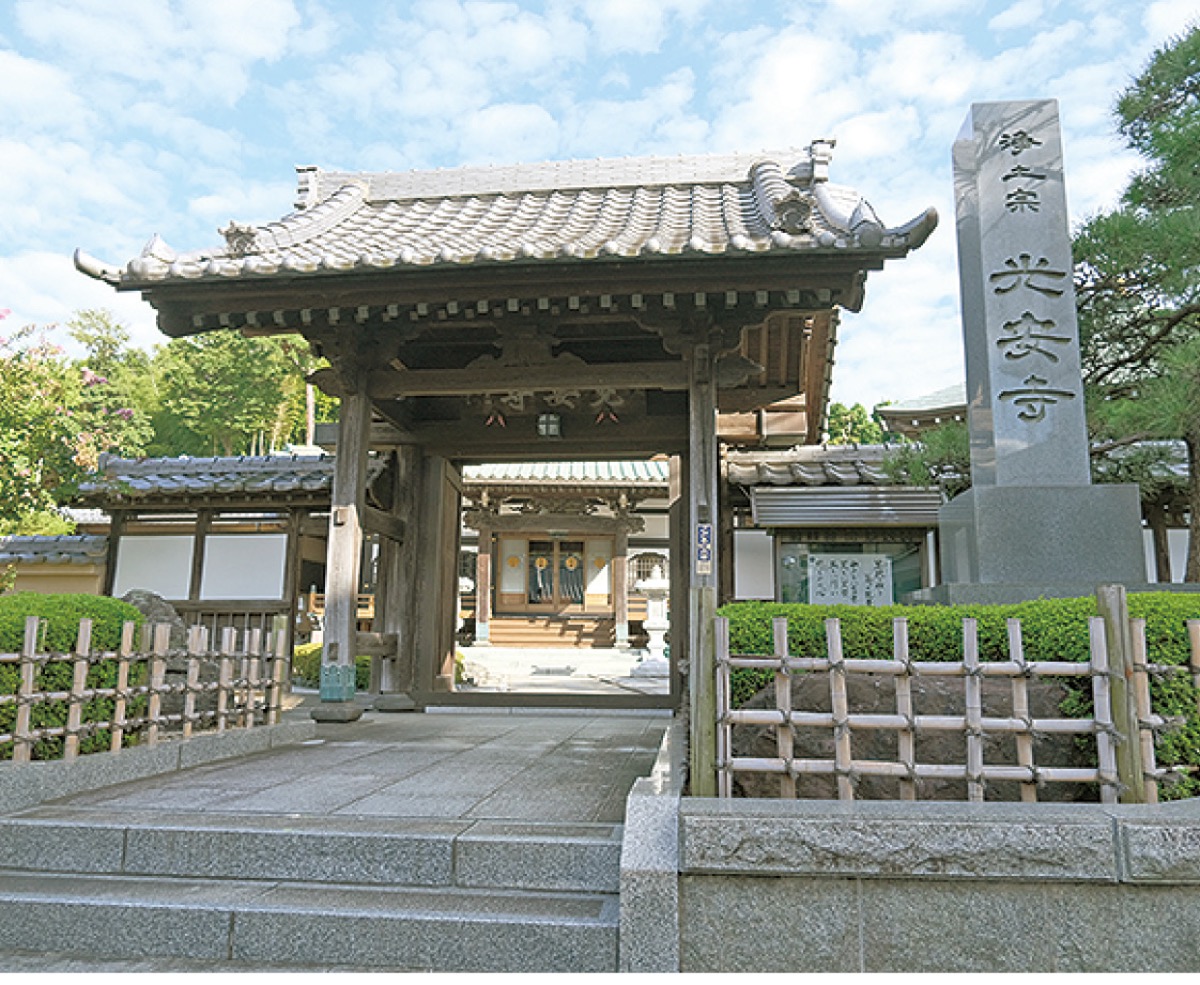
{"x": 158, "y": 692}
{"x": 843, "y": 722}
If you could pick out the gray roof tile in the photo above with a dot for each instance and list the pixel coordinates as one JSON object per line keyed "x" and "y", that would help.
{"x": 76, "y": 549}
{"x": 557, "y": 211}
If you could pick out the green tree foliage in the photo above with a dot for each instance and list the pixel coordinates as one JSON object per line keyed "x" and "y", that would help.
{"x": 853, "y": 426}
{"x": 1138, "y": 284}
{"x": 941, "y": 458}
{"x": 118, "y": 386}
{"x": 51, "y": 435}
{"x": 225, "y": 394}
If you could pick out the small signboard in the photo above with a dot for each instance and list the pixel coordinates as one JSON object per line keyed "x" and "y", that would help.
{"x": 849, "y": 579}
{"x": 704, "y": 548}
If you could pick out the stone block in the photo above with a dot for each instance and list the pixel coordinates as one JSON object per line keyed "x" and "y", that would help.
{"x": 946, "y": 927}
{"x": 752, "y": 925}
{"x": 1043, "y": 536}
{"x": 649, "y": 879}
{"x": 211, "y": 746}
{"x": 420, "y": 856}
{"x": 881, "y": 840}
{"x": 427, "y": 931}
{"x": 1161, "y": 850}
{"x": 1135, "y": 929}
{"x": 52, "y": 845}
{"x": 105, "y": 916}
{"x": 538, "y": 857}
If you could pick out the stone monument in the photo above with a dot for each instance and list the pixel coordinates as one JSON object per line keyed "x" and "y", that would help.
{"x": 1032, "y": 524}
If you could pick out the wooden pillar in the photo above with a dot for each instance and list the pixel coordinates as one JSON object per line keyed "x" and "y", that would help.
{"x": 620, "y": 583}
{"x": 680, "y": 590}
{"x": 438, "y": 528}
{"x": 483, "y": 587}
{"x": 342, "y": 561}
{"x": 399, "y": 583}
{"x": 703, "y": 568}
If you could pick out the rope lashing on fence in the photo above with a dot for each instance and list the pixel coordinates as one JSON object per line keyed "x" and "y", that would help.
{"x": 211, "y": 694}
{"x": 1030, "y": 733}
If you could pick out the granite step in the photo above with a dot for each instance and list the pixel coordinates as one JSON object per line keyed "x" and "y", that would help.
{"x": 257, "y": 923}
{"x": 421, "y": 852}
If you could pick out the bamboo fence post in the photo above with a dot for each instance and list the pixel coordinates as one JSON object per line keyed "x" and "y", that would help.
{"x": 195, "y": 649}
{"x": 784, "y": 736}
{"x": 724, "y": 690}
{"x": 1141, "y": 698}
{"x": 1102, "y": 712}
{"x": 83, "y": 647}
{"x": 158, "y": 673}
{"x": 278, "y": 665}
{"x": 1113, "y": 609}
{"x": 253, "y": 665}
{"x": 1020, "y": 706}
{"x": 120, "y": 701}
{"x": 973, "y": 707}
{"x": 224, "y": 674}
{"x": 843, "y": 760}
{"x": 1193, "y": 628}
{"x": 906, "y": 739}
{"x": 22, "y": 742}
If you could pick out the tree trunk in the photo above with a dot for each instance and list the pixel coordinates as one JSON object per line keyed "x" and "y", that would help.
{"x": 1156, "y": 520}
{"x": 1193, "y": 555}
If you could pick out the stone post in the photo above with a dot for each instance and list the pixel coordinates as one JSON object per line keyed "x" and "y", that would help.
{"x": 1032, "y": 524}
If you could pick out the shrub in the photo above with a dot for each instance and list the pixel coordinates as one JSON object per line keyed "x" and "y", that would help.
{"x": 1051, "y": 629}
{"x": 306, "y": 665}
{"x": 60, "y": 616}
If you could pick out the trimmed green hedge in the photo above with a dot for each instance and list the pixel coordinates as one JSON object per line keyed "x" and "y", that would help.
{"x": 61, "y": 615}
{"x": 1051, "y": 629}
{"x": 306, "y": 665}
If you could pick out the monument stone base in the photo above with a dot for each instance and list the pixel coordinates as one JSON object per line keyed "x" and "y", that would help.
{"x": 1010, "y": 543}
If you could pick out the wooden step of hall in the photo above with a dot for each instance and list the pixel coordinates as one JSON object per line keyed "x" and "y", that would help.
{"x": 536, "y": 631}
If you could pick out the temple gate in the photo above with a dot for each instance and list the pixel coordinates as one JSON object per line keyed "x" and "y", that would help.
{"x": 582, "y": 310}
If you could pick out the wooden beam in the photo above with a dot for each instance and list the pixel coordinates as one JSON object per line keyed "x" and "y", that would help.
{"x": 502, "y": 379}
{"x": 385, "y": 524}
{"x": 319, "y": 294}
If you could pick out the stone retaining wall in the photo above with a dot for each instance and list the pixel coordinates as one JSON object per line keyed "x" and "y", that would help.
{"x": 714, "y": 885}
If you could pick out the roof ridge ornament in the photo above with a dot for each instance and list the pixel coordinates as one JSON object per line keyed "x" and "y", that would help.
{"x": 241, "y": 239}
{"x": 781, "y": 203}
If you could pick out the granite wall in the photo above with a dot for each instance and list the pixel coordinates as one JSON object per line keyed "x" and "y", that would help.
{"x": 823, "y": 886}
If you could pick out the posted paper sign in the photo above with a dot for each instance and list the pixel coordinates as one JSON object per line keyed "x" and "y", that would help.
{"x": 849, "y": 579}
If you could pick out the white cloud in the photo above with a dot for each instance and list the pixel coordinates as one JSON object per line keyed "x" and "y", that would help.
{"x": 508, "y": 132}
{"x": 1023, "y": 13}
{"x": 926, "y": 67}
{"x": 661, "y": 120}
{"x": 199, "y": 50}
{"x": 639, "y": 26}
{"x": 39, "y": 97}
{"x": 1165, "y": 19}
{"x": 786, "y": 89}
{"x": 45, "y": 289}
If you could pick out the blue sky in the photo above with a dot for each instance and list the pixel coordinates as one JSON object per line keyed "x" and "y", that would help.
{"x": 120, "y": 119}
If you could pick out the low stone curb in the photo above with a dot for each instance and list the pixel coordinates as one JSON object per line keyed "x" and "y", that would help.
{"x": 25, "y": 785}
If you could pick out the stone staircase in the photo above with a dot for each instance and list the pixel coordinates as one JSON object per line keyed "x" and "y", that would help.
{"x": 309, "y": 893}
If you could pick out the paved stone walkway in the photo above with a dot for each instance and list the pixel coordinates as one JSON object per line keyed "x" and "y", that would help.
{"x": 559, "y": 766}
